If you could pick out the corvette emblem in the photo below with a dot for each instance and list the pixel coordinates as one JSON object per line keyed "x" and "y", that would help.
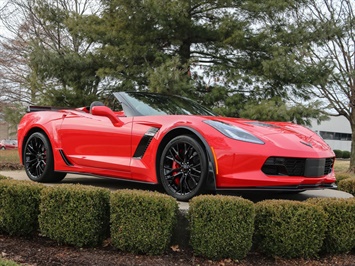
{"x": 307, "y": 144}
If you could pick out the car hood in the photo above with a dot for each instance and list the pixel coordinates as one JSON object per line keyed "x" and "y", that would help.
{"x": 281, "y": 134}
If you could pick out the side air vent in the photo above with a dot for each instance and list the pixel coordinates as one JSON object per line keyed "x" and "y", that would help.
{"x": 144, "y": 143}
{"x": 65, "y": 159}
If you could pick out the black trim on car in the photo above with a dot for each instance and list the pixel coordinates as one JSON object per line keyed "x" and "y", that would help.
{"x": 144, "y": 143}
{"x": 38, "y": 108}
{"x": 65, "y": 159}
{"x": 306, "y": 167}
{"x": 296, "y": 188}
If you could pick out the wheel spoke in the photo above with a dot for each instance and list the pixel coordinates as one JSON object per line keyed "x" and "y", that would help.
{"x": 193, "y": 155}
{"x": 193, "y": 179}
{"x": 170, "y": 171}
{"x": 41, "y": 166}
{"x": 37, "y": 170}
{"x": 195, "y": 176}
{"x": 31, "y": 161}
{"x": 195, "y": 170}
{"x": 174, "y": 157}
{"x": 184, "y": 185}
{"x": 30, "y": 149}
{"x": 172, "y": 177}
{"x": 187, "y": 149}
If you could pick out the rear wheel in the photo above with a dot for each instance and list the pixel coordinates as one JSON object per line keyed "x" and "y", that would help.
{"x": 183, "y": 168}
{"x": 3, "y": 148}
{"x": 39, "y": 161}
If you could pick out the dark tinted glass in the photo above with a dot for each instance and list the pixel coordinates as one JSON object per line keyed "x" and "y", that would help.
{"x": 157, "y": 104}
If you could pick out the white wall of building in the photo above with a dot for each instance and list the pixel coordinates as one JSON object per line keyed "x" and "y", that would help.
{"x": 338, "y": 125}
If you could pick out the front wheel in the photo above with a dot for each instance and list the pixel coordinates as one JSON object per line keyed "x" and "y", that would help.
{"x": 183, "y": 168}
{"x": 39, "y": 161}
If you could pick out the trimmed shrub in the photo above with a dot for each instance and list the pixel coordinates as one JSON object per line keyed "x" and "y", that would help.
{"x": 221, "y": 226}
{"x": 74, "y": 214}
{"x": 346, "y": 154}
{"x": 340, "y": 222}
{"x": 347, "y": 185}
{"x": 289, "y": 229}
{"x": 142, "y": 221}
{"x": 4, "y": 262}
{"x": 338, "y": 153}
{"x": 3, "y": 177}
{"x": 19, "y": 206}
{"x": 341, "y": 176}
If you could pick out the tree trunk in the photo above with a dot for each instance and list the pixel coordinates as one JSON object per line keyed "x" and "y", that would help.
{"x": 352, "y": 156}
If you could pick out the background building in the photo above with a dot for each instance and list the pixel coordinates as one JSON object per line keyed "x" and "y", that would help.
{"x": 336, "y": 132}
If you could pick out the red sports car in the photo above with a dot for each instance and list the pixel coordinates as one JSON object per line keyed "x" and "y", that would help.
{"x": 8, "y": 144}
{"x": 174, "y": 142}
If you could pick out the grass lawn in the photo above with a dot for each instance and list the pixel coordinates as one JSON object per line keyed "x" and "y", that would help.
{"x": 9, "y": 156}
{"x": 342, "y": 166}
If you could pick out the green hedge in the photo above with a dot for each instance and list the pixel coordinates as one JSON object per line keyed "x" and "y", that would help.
{"x": 342, "y": 154}
{"x": 221, "y": 226}
{"x": 3, "y": 177}
{"x": 75, "y": 214}
{"x": 289, "y": 229}
{"x": 142, "y": 221}
{"x": 338, "y": 153}
{"x": 347, "y": 185}
{"x": 340, "y": 234}
{"x": 346, "y": 154}
{"x": 341, "y": 176}
{"x": 19, "y": 206}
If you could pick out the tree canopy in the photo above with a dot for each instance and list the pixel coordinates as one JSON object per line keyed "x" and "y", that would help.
{"x": 231, "y": 55}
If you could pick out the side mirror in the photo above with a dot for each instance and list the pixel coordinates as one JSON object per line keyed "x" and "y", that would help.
{"x": 107, "y": 112}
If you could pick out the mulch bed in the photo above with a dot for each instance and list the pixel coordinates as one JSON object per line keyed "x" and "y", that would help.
{"x": 10, "y": 166}
{"x": 38, "y": 251}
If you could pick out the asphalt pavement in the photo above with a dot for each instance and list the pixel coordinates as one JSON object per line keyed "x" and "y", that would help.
{"x": 114, "y": 184}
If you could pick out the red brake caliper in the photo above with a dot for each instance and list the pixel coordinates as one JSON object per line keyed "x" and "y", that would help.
{"x": 175, "y": 166}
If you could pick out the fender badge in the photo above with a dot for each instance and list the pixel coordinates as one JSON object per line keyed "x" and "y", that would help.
{"x": 307, "y": 144}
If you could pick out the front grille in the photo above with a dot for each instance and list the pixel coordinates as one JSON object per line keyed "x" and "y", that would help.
{"x": 329, "y": 162}
{"x": 298, "y": 166}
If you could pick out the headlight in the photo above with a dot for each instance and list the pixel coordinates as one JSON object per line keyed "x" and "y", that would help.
{"x": 233, "y": 132}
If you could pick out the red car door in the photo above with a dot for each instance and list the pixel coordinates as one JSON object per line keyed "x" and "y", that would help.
{"x": 93, "y": 141}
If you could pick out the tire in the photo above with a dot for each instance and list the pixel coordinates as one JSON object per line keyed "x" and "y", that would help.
{"x": 3, "y": 148}
{"x": 38, "y": 160}
{"x": 183, "y": 168}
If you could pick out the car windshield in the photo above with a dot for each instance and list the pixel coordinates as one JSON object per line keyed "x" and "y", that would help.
{"x": 158, "y": 104}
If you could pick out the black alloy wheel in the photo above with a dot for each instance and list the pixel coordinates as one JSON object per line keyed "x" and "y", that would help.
{"x": 183, "y": 168}
{"x": 38, "y": 160}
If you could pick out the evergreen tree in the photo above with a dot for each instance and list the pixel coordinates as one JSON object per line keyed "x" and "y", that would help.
{"x": 227, "y": 45}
